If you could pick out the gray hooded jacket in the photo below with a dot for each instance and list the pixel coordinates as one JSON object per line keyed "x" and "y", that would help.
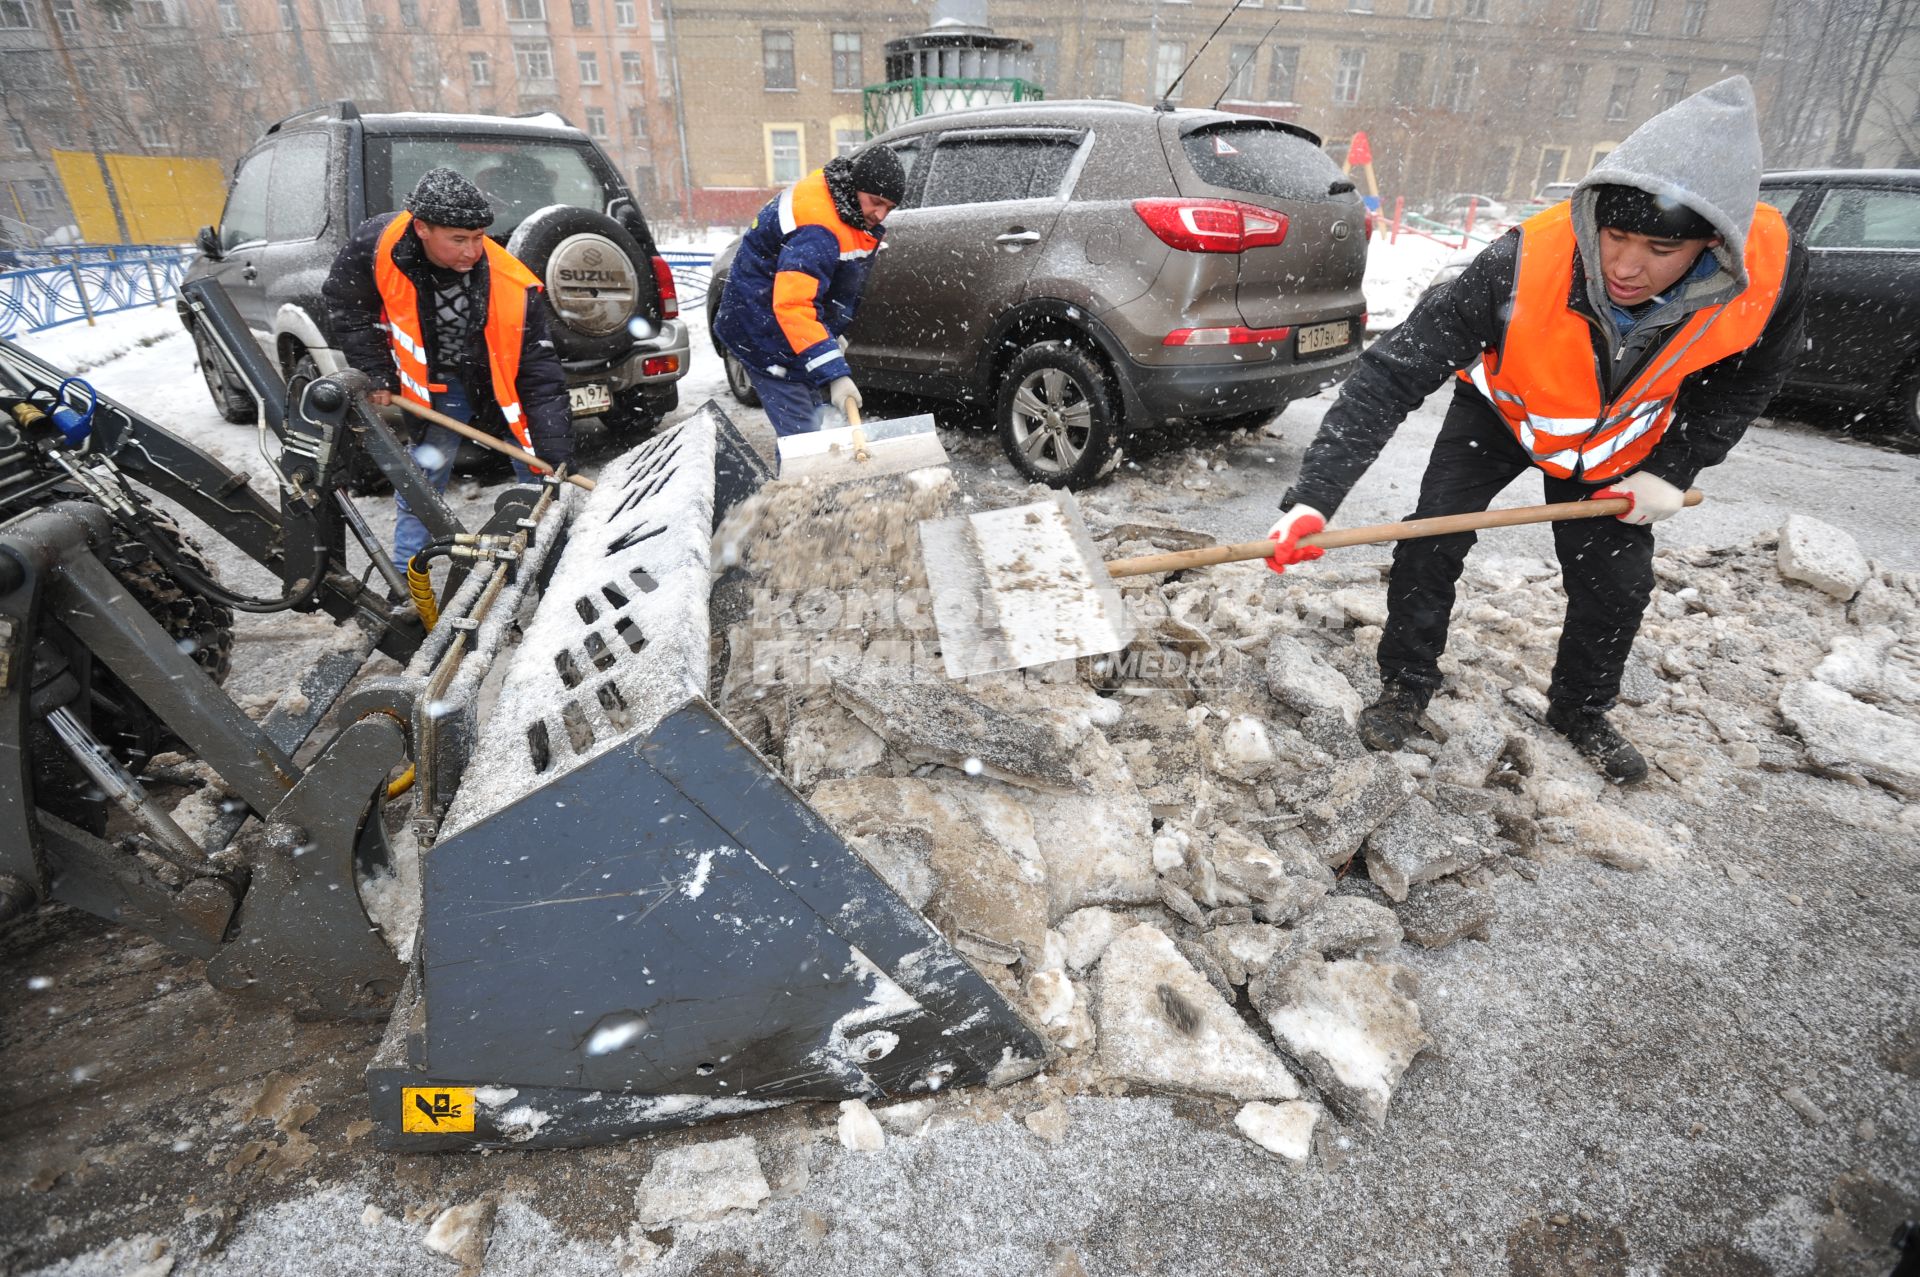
{"x": 1705, "y": 152}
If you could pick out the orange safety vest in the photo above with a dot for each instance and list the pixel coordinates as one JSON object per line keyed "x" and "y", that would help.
{"x": 1544, "y": 380}
{"x": 507, "y": 285}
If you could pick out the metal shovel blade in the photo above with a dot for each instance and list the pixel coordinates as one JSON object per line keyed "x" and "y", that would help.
{"x": 1020, "y": 587}
{"x": 865, "y": 451}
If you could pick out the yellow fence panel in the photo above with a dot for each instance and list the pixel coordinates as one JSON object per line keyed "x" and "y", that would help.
{"x": 166, "y": 198}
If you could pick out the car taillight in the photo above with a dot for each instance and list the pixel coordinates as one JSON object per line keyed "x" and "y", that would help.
{"x": 669, "y": 292}
{"x": 1367, "y": 222}
{"x": 1235, "y": 336}
{"x": 1212, "y": 226}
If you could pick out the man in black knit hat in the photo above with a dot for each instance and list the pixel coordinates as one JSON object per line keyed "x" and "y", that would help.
{"x": 432, "y": 310}
{"x": 796, "y": 284}
{"x": 1620, "y": 342}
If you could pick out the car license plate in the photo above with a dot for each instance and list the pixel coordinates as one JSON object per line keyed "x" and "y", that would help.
{"x": 1325, "y": 337}
{"x": 589, "y": 399}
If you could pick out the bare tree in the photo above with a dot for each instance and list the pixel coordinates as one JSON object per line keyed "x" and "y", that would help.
{"x": 1836, "y": 54}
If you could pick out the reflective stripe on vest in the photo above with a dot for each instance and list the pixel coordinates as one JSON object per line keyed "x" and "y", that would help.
{"x": 1543, "y": 380}
{"x": 507, "y": 285}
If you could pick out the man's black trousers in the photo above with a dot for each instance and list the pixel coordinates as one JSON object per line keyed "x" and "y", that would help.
{"x": 1607, "y": 565}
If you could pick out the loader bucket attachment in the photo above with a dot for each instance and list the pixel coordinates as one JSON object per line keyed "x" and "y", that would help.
{"x": 632, "y": 922}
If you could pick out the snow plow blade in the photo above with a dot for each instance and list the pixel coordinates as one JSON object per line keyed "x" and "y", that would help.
{"x": 630, "y": 921}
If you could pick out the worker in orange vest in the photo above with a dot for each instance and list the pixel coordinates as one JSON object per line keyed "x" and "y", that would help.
{"x": 1620, "y": 343}
{"x": 431, "y": 309}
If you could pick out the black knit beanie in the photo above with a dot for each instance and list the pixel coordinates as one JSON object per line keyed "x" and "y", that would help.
{"x": 444, "y": 198}
{"x": 1628, "y": 208}
{"x": 877, "y": 171}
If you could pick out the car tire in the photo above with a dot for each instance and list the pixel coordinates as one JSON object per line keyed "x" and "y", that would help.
{"x": 1905, "y": 404}
{"x": 739, "y": 385}
{"x": 534, "y": 243}
{"x": 637, "y": 413}
{"x": 1056, "y": 415}
{"x": 235, "y": 403}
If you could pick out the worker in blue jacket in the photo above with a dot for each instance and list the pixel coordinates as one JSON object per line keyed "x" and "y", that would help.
{"x": 796, "y": 284}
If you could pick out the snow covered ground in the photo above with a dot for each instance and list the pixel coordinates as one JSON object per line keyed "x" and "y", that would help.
{"x": 1706, "y": 1069}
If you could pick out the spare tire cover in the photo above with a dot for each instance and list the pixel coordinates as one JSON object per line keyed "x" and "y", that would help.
{"x": 596, "y": 276}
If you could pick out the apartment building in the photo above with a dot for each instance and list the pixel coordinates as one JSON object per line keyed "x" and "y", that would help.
{"x": 1496, "y": 97}
{"x": 205, "y": 77}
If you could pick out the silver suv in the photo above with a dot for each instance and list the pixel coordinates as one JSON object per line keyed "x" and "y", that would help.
{"x": 1094, "y": 269}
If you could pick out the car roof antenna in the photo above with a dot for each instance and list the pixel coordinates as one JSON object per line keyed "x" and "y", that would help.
{"x": 1234, "y": 72}
{"x": 1166, "y": 99}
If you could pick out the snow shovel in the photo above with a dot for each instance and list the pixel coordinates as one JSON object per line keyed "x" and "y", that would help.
{"x": 862, "y": 450}
{"x": 1026, "y": 586}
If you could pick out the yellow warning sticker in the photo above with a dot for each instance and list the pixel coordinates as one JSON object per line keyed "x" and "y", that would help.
{"x": 426, "y": 1109}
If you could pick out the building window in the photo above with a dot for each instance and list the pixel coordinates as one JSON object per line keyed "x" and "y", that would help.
{"x": 1587, "y": 18}
{"x": 1359, "y": 6}
{"x": 409, "y": 13}
{"x": 1573, "y": 78}
{"x": 783, "y": 155}
{"x": 69, "y": 17}
{"x": 533, "y": 59}
{"x": 582, "y": 15}
{"x": 662, "y": 71}
{"x": 152, "y": 13}
{"x": 846, "y": 62}
{"x": 1553, "y": 162}
{"x": 153, "y": 134}
{"x": 633, "y": 67}
{"x": 1109, "y": 68}
{"x": 1407, "y": 74}
{"x": 596, "y": 121}
{"x": 289, "y": 15}
{"x": 847, "y": 141}
{"x": 1046, "y": 61}
{"x": 526, "y": 10}
{"x": 469, "y": 13}
{"x": 1620, "y": 96}
{"x": 1477, "y": 10}
{"x": 1241, "y": 69}
{"x": 229, "y": 15}
{"x": 626, "y": 13}
{"x": 1172, "y": 55}
{"x": 776, "y": 60}
{"x": 1283, "y": 74}
{"x": 40, "y": 195}
{"x": 1693, "y": 18}
{"x": 131, "y": 75}
{"x": 1346, "y": 77}
{"x": 1458, "y": 93}
{"x": 1673, "y": 87}
{"x": 637, "y": 123}
{"x": 479, "y": 70}
{"x": 589, "y": 67}
{"x": 1419, "y": 8}
{"x": 1640, "y": 20}
{"x": 18, "y": 136}
{"x": 15, "y": 16}
{"x": 116, "y": 20}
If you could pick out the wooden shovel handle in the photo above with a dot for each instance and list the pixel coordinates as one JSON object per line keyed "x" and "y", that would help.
{"x": 1405, "y": 530}
{"x": 484, "y": 439}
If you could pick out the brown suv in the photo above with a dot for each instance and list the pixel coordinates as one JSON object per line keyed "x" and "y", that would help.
{"x": 1097, "y": 268}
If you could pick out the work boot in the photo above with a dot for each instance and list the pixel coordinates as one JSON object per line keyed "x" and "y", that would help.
{"x": 1589, "y": 732}
{"x": 1389, "y": 722}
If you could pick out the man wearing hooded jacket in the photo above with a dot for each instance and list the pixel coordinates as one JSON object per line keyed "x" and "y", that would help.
{"x": 796, "y": 283}
{"x": 1621, "y": 343}
{"x": 431, "y": 309}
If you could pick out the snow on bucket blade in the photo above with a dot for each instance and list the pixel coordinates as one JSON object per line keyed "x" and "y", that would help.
{"x": 631, "y": 921}
{"x": 862, "y": 450}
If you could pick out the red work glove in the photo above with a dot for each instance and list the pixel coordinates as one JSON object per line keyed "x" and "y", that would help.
{"x": 1653, "y": 497}
{"x": 1298, "y": 521}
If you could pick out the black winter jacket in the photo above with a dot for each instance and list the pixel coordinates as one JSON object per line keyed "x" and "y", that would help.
{"x": 1453, "y": 324}
{"x": 353, "y": 306}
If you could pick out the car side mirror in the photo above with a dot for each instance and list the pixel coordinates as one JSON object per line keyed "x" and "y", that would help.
{"x": 209, "y": 241}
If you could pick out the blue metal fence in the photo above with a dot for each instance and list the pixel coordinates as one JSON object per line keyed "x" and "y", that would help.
{"x": 85, "y": 281}
{"x": 692, "y": 273}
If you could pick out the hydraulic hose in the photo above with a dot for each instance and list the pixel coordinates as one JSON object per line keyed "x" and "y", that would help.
{"x": 420, "y": 583}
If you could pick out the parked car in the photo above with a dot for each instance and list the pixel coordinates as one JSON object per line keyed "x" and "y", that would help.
{"x": 1092, "y": 269}
{"x": 1862, "y": 232}
{"x": 1554, "y": 192}
{"x": 1453, "y": 210}
{"x": 298, "y": 195}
